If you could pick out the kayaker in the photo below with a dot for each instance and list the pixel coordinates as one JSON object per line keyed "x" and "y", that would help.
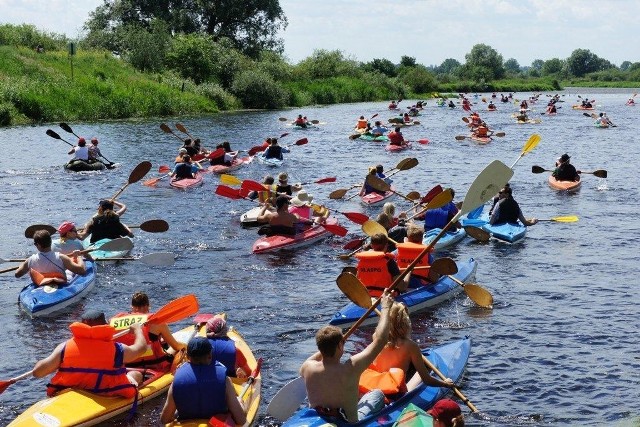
{"x": 475, "y": 120}
{"x": 155, "y": 357}
{"x": 446, "y": 413}
{"x": 482, "y": 131}
{"x": 229, "y": 155}
{"x": 221, "y": 159}
{"x": 452, "y": 104}
{"x": 301, "y": 206}
{"x": 300, "y": 121}
{"x": 284, "y": 188}
{"x": 91, "y": 361}
{"x": 49, "y": 267}
{"x": 440, "y": 217}
{"x": 362, "y": 123}
{"x": 201, "y": 389}
{"x": 551, "y": 108}
{"x": 524, "y": 105}
{"x": 94, "y": 151}
{"x": 281, "y": 222}
{"x": 564, "y": 170}
{"x": 396, "y": 230}
{"x": 68, "y": 241}
{"x": 80, "y": 151}
{"x": 377, "y": 268}
{"x": 406, "y": 118}
{"x": 491, "y": 106}
{"x": 106, "y": 224}
{"x": 496, "y": 199}
{"x": 181, "y": 152}
{"x": 186, "y": 169}
{"x": 378, "y": 129}
{"x": 396, "y": 137}
{"x": 368, "y": 189}
{"x": 380, "y": 174}
{"x": 191, "y": 150}
{"x": 522, "y": 117}
{"x": 274, "y": 151}
{"x": 631, "y": 101}
{"x": 507, "y": 210}
{"x": 393, "y": 105}
{"x": 389, "y": 370}
{"x": 332, "y": 385}
{"x": 268, "y": 194}
{"x": 224, "y": 348}
{"x": 197, "y": 144}
{"x": 408, "y": 251}
{"x": 390, "y": 209}
{"x": 413, "y": 111}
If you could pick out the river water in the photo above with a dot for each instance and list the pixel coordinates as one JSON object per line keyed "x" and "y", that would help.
{"x": 560, "y": 347}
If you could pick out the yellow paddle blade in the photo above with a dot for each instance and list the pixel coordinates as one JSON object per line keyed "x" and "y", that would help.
{"x": 371, "y": 227}
{"x": 440, "y": 200}
{"x": 569, "y": 218}
{"x": 230, "y": 180}
{"x": 351, "y": 286}
{"x": 531, "y": 143}
{"x": 479, "y": 295}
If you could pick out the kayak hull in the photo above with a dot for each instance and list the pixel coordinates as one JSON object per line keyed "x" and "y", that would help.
{"x": 250, "y": 218}
{"x": 278, "y": 242}
{"x": 380, "y": 138}
{"x": 450, "y": 359}
{"x": 77, "y": 408}
{"x": 39, "y": 301}
{"x": 105, "y": 255}
{"x": 480, "y": 140}
{"x": 568, "y": 186}
{"x": 415, "y": 299}
{"x": 272, "y": 162}
{"x": 236, "y": 164}
{"x": 447, "y": 240}
{"x": 187, "y": 183}
{"x": 376, "y": 199}
{"x": 508, "y": 232}
{"x": 82, "y": 166}
{"x": 397, "y": 148}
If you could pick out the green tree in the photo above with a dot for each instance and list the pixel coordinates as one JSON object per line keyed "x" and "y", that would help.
{"x": 407, "y": 61}
{"x": 552, "y": 66}
{"x": 448, "y": 66}
{"x": 252, "y": 25}
{"x": 625, "y": 65}
{"x": 146, "y": 48}
{"x": 384, "y": 66}
{"x": 583, "y": 61}
{"x": 537, "y": 64}
{"x": 192, "y": 55}
{"x": 483, "y": 62}
{"x": 512, "y": 66}
{"x": 418, "y": 79}
{"x": 324, "y": 63}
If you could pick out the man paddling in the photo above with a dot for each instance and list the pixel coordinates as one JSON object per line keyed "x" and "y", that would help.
{"x": 507, "y": 210}
{"x": 564, "y": 170}
{"x": 332, "y": 385}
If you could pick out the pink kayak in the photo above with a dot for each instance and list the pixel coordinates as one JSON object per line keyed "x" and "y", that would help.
{"x": 376, "y": 199}
{"x": 187, "y": 183}
{"x": 307, "y": 237}
{"x": 236, "y": 164}
{"x": 481, "y": 140}
{"x": 397, "y": 148}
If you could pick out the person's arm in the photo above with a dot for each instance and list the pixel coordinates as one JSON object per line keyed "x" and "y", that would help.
{"x": 394, "y": 271}
{"x": 50, "y": 364}
{"x": 23, "y": 269}
{"x": 264, "y": 215}
{"x": 525, "y": 221}
{"x": 169, "y": 409}
{"x": 126, "y": 230}
{"x": 363, "y": 359}
{"x": 418, "y": 362}
{"x": 139, "y": 346}
{"x": 86, "y": 230}
{"x": 235, "y": 405}
{"x": 121, "y": 208}
{"x": 74, "y": 264}
{"x": 496, "y": 213}
{"x": 163, "y": 330}
{"x": 73, "y": 150}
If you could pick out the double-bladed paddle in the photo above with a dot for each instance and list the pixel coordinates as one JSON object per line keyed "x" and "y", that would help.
{"x": 463, "y": 137}
{"x": 167, "y": 129}
{"x": 150, "y": 226}
{"x": 158, "y": 259}
{"x": 600, "y": 173}
{"x": 531, "y": 143}
{"x": 357, "y": 217}
{"x": 136, "y": 175}
{"x": 67, "y": 128}
{"x": 184, "y": 130}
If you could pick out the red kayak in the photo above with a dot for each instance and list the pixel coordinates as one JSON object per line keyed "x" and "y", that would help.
{"x": 481, "y": 140}
{"x": 376, "y": 199}
{"x": 392, "y": 148}
{"x": 187, "y": 183}
{"x": 307, "y": 237}
{"x": 235, "y": 164}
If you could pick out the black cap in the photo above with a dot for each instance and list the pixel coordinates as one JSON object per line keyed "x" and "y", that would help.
{"x": 198, "y": 347}
{"x": 94, "y": 318}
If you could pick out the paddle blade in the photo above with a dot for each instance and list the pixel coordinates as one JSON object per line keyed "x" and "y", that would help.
{"x": 358, "y": 218}
{"x": 406, "y": 164}
{"x": 165, "y": 128}
{"x": 354, "y": 244}
{"x": 377, "y": 183}
{"x": 164, "y": 169}
{"x": 30, "y": 230}
{"x": 444, "y": 266}
{"x": 538, "y": 169}
{"x": 338, "y": 194}
{"x": 477, "y": 233}
{"x": 250, "y": 185}
{"x": 325, "y": 180}
{"x": 119, "y": 244}
{"x": 198, "y": 157}
{"x": 155, "y": 226}
{"x": 336, "y": 229}
{"x": 531, "y": 143}
{"x": 139, "y": 172}
{"x": 423, "y": 141}
{"x": 474, "y": 214}
{"x": 486, "y": 185}
{"x": 231, "y": 193}
{"x": 230, "y": 180}
{"x": 351, "y": 286}
{"x": 181, "y": 128}
{"x": 355, "y": 136}
{"x": 216, "y": 153}
{"x": 440, "y": 200}
{"x": 153, "y": 181}
{"x": 431, "y": 194}
{"x": 499, "y": 134}
{"x": 175, "y": 310}
{"x": 53, "y": 134}
{"x": 570, "y": 218}
{"x": 283, "y": 119}
{"x": 255, "y": 150}
{"x": 372, "y": 227}
{"x": 159, "y": 259}
{"x": 302, "y": 141}
{"x": 479, "y": 295}
{"x": 460, "y": 137}
{"x": 413, "y": 195}
{"x": 600, "y": 173}
{"x": 288, "y": 399}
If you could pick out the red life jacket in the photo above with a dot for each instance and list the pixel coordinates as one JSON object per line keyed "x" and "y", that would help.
{"x": 155, "y": 356}
{"x": 395, "y": 138}
{"x": 482, "y": 132}
{"x": 362, "y": 124}
{"x": 91, "y": 361}
{"x": 373, "y": 271}
{"x": 407, "y": 253}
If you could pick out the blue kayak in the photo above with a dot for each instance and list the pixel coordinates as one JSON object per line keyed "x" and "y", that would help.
{"x": 450, "y": 238}
{"x": 415, "y": 299}
{"x": 273, "y": 162}
{"x": 103, "y": 256}
{"x": 450, "y": 359}
{"x": 44, "y": 300}
{"x": 507, "y": 232}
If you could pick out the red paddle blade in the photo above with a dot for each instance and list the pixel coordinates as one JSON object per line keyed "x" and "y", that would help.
{"x": 302, "y": 141}
{"x": 354, "y": 244}
{"x": 423, "y": 141}
{"x": 221, "y": 420}
{"x": 328, "y": 179}
{"x": 244, "y": 192}
{"x": 431, "y": 194}
{"x": 231, "y": 193}
{"x": 152, "y": 182}
{"x": 336, "y": 229}
{"x": 164, "y": 169}
{"x": 215, "y": 154}
{"x": 198, "y": 157}
{"x": 255, "y": 150}
{"x": 356, "y": 217}
{"x": 176, "y": 310}
{"x": 256, "y": 371}
{"x": 4, "y": 385}
{"x": 250, "y": 185}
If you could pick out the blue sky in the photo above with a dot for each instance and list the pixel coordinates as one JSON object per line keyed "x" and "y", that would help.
{"x": 428, "y": 30}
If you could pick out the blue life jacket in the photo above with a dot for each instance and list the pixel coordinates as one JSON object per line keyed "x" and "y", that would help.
{"x": 184, "y": 170}
{"x": 224, "y": 351}
{"x": 273, "y": 151}
{"x": 199, "y": 390}
{"x": 437, "y": 218}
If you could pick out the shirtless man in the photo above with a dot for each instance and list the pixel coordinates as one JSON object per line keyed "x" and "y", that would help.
{"x": 332, "y": 385}
{"x": 281, "y": 221}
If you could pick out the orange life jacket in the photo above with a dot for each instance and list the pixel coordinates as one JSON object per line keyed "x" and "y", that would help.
{"x": 390, "y": 382}
{"x": 89, "y": 362}
{"x": 407, "y": 252}
{"x": 37, "y": 278}
{"x": 482, "y": 132}
{"x": 362, "y": 124}
{"x": 373, "y": 271}
{"x": 266, "y": 196}
{"x": 154, "y": 357}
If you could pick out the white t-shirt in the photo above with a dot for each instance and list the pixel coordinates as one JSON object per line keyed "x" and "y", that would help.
{"x": 81, "y": 153}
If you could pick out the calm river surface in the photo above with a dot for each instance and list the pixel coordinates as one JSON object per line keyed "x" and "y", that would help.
{"x": 560, "y": 347}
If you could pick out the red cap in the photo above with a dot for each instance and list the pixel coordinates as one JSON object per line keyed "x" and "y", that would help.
{"x": 445, "y": 410}
{"x": 65, "y": 227}
{"x": 94, "y": 140}
{"x": 81, "y": 139}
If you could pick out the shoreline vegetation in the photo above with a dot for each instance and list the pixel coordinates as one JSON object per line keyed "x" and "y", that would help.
{"x": 193, "y": 74}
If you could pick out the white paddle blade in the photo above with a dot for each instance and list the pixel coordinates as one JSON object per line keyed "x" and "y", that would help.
{"x": 486, "y": 185}
{"x": 287, "y": 400}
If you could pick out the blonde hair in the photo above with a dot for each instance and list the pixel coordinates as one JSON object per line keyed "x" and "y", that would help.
{"x": 389, "y": 208}
{"x": 415, "y": 233}
{"x": 400, "y": 323}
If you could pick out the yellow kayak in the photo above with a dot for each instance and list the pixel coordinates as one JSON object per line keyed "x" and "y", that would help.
{"x": 82, "y": 408}
{"x": 253, "y": 393}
